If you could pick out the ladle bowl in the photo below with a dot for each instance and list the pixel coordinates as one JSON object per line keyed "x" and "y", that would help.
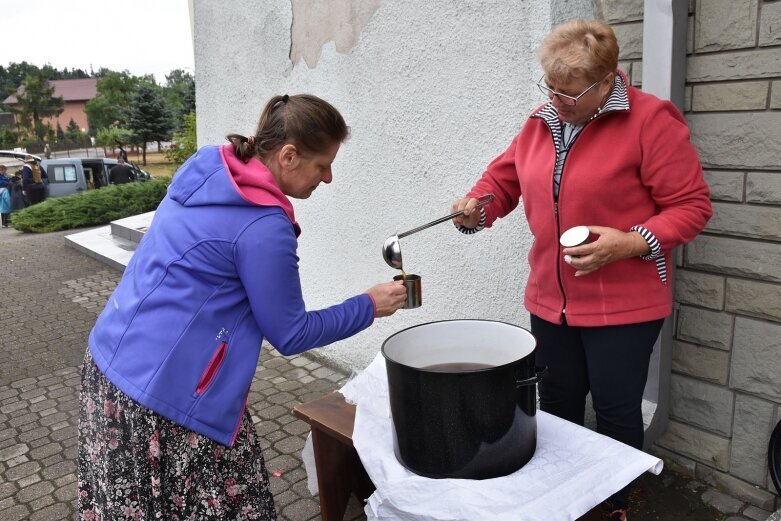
{"x": 391, "y": 248}
{"x": 391, "y": 252}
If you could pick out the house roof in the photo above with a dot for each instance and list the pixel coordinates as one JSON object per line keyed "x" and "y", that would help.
{"x": 70, "y": 90}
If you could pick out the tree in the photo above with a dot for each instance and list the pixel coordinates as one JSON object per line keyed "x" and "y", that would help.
{"x": 112, "y": 103}
{"x": 113, "y": 136}
{"x": 50, "y": 73}
{"x": 148, "y": 117}
{"x": 73, "y": 132}
{"x": 35, "y": 101}
{"x": 13, "y": 76}
{"x": 7, "y": 138}
{"x": 111, "y": 106}
{"x": 179, "y": 95}
{"x": 185, "y": 142}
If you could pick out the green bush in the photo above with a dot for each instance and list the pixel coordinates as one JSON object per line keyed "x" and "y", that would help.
{"x": 92, "y": 208}
{"x": 185, "y": 142}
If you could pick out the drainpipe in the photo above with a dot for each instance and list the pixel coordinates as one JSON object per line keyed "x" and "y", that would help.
{"x": 664, "y": 75}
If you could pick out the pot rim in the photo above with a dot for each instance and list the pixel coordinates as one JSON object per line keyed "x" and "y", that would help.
{"x": 387, "y": 357}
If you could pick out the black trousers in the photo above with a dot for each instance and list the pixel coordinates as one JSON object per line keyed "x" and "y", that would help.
{"x": 610, "y": 362}
{"x": 36, "y": 194}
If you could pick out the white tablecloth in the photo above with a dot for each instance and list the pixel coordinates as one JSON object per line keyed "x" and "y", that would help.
{"x": 573, "y": 469}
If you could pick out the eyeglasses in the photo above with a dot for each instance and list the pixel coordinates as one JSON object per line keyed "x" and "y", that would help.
{"x": 564, "y": 98}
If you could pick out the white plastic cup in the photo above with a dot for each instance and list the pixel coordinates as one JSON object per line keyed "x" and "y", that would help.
{"x": 575, "y": 236}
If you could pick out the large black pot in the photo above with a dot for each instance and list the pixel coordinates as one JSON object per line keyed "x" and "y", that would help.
{"x": 462, "y": 423}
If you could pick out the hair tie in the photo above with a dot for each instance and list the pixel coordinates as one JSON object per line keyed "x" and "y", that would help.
{"x": 251, "y": 140}
{"x": 281, "y": 102}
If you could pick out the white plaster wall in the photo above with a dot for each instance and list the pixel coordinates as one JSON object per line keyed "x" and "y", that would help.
{"x": 432, "y": 92}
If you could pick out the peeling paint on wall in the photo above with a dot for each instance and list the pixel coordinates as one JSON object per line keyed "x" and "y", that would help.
{"x": 317, "y": 22}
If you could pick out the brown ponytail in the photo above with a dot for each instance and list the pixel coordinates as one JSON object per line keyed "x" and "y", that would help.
{"x": 308, "y": 122}
{"x": 242, "y": 147}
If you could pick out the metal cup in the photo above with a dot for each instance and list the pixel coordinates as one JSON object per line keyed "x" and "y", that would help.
{"x": 414, "y": 293}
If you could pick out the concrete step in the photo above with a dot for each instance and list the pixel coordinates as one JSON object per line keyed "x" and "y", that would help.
{"x": 115, "y": 243}
{"x": 132, "y": 228}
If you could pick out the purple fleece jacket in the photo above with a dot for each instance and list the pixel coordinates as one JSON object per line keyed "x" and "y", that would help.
{"x": 215, "y": 275}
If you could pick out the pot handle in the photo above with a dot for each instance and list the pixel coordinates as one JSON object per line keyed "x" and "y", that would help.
{"x": 540, "y": 373}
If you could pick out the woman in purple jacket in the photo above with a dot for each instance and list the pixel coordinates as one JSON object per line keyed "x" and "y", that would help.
{"x": 164, "y": 432}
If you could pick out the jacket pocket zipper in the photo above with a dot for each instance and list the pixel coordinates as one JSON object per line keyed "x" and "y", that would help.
{"x": 212, "y": 368}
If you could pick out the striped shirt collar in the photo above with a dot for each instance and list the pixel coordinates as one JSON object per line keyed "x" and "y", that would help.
{"x": 617, "y": 101}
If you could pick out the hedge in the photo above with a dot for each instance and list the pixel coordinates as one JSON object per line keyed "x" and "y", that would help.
{"x": 91, "y": 208}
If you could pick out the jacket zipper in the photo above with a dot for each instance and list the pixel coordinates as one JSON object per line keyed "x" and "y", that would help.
{"x": 241, "y": 416}
{"x": 556, "y": 216}
{"x": 556, "y": 206}
{"x": 555, "y": 198}
{"x": 211, "y": 369}
{"x": 558, "y": 262}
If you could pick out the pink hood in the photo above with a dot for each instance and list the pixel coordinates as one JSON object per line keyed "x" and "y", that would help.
{"x": 256, "y": 184}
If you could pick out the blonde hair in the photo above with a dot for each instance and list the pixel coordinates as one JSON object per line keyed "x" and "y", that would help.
{"x": 579, "y": 49}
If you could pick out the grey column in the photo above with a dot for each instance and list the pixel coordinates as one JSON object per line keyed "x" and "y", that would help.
{"x": 664, "y": 75}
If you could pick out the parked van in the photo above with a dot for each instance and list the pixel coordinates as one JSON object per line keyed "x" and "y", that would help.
{"x": 71, "y": 175}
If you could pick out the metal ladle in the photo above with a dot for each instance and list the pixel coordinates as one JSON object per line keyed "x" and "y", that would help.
{"x": 391, "y": 249}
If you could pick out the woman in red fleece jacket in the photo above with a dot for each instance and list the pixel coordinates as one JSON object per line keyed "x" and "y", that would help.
{"x": 603, "y": 154}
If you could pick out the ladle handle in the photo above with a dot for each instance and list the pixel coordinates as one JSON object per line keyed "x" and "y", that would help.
{"x": 482, "y": 201}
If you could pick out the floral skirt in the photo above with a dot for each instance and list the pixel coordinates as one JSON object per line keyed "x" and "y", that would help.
{"x": 135, "y": 464}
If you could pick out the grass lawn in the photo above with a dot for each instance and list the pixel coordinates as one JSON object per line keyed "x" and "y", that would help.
{"x": 156, "y": 164}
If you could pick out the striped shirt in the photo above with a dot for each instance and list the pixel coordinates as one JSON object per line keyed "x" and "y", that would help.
{"x": 568, "y": 134}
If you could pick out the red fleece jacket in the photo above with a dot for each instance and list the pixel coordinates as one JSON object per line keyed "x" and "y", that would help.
{"x": 625, "y": 168}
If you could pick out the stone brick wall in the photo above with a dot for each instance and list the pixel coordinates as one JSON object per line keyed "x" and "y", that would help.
{"x": 726, "y": 382}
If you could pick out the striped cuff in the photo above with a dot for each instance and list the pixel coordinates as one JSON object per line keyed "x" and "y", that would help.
{"x": 480, "y": 224}
{"x": 653, "y": 243}
{"x": 656, "y": 251}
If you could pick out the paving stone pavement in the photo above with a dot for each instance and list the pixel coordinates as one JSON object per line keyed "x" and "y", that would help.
{"x": 50, "y": 296}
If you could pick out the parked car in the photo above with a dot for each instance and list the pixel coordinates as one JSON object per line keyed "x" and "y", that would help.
{"x": 71, "y": 175}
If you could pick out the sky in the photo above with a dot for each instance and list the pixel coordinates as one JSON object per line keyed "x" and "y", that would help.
{"x": 141, "y": 36}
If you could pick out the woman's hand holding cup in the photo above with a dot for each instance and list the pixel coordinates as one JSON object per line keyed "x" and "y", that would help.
{"x": 388, "y": 297}
{"x": 601, "y": 246}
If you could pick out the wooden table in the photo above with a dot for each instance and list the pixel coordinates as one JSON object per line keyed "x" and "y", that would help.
{"x": 339, "y": 469}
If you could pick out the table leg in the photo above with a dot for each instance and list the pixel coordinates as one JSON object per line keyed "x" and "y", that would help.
{"x": 362, "y": 485}
{"x": 339, "y": 469}
{"x": 337, "y": 475}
